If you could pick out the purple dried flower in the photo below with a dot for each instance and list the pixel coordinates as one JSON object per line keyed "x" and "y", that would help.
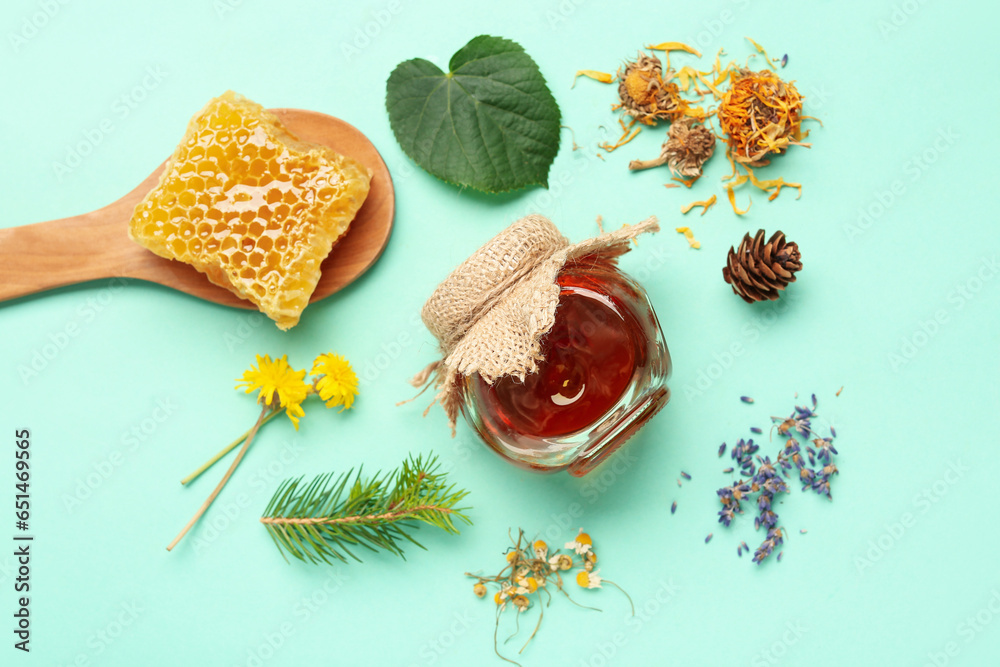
{"x": 774, "y": 538}
{"x": 754, "y": 429}
{"x": 822, "y": 486}
{"x": 784, "y": 60}
{"x": 802, "y": 531}
{"x": 814, "y": 401}
{"x": 746, "y": 399}
{"x": 833, "y": 431}
{"x": 685, "y": 475}
{"x": 780, "y": 554}
{"x": 727, "y": 470}
{"x": 739, "y": 550}
{"x": 722, "y": 449}
{"x": 673, "y": 507}
{"x": 708, "y": 539}
{"x": 678, "y": 482}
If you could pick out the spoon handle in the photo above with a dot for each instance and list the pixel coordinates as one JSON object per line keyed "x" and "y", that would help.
{"x": 71, "y": 250}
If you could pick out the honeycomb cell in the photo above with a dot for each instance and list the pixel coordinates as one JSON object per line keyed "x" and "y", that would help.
{"x": 252, "y": 207}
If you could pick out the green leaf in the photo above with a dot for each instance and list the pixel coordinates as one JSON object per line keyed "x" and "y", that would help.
{"x": 491, "y": 123}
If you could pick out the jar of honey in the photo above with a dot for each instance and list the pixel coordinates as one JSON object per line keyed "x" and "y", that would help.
{"x": 561, "y": 359}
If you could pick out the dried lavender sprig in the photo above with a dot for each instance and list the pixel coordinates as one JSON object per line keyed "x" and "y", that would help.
{"x": 774, "y": 539}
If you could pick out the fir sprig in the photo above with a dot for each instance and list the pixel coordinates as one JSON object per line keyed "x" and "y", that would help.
{"x": 326, "y": 517}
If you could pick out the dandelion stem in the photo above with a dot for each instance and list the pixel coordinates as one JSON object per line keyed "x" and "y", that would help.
{"x": 239, "y": 457}
{"x": 228, "y": 448}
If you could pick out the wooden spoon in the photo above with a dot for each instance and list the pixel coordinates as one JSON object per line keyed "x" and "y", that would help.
{"x": 96, "y": 245}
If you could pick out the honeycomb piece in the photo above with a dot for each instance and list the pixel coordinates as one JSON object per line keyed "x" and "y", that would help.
{"x": 250, "y": 206}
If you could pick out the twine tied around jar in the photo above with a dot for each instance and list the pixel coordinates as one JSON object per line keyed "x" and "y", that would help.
{"x": 490, "y": 315}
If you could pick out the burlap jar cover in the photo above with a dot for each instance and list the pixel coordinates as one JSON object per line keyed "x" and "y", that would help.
{"x": 491, "y": 313}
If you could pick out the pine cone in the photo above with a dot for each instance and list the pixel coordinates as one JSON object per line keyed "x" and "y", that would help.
{"x": 758, "y": 270}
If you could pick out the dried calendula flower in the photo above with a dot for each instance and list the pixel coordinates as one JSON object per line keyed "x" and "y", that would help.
{"x": 688, "y": 146}
{"x": 643, "y": 93}
{"x": 760, "y": 115}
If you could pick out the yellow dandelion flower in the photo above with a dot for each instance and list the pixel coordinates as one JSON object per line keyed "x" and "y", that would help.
{"x": 276, "y": 379}
{"x": 337, "y": 383}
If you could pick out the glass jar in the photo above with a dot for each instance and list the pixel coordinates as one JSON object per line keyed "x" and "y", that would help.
{"x": 602, "y": 376}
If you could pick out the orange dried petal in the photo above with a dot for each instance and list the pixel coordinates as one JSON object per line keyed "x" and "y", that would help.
{"x": 705, "y": 204}
{"x": 603, "y": 77}
{"x": 674, "y": 46}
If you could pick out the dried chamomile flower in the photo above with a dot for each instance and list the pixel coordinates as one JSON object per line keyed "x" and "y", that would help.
{"x": 531, "y": 570}
{"x": 560, "y": 562}
{"x": 581, "y": 544}
{"x": 644, "y": 95}
{"x": 587, "y": 579}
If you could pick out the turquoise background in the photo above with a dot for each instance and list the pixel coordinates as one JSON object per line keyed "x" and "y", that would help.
{"x": 900, "y": 308}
